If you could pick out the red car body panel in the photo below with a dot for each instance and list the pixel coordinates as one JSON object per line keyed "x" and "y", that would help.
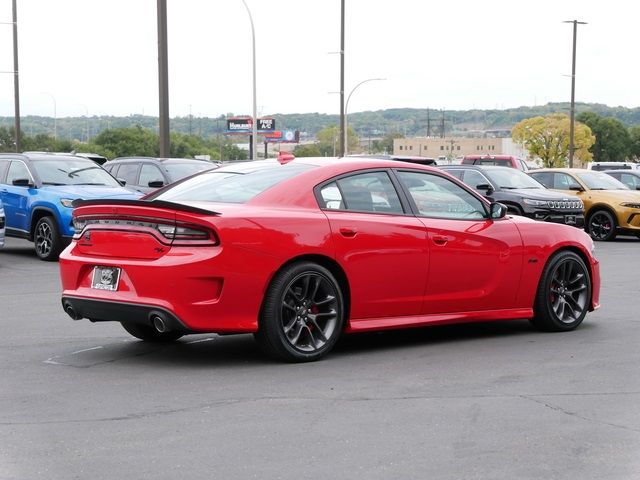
{"x": 398, "y": 270}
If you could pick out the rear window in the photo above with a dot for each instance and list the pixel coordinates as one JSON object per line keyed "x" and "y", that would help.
{"x": 229, "y": 186}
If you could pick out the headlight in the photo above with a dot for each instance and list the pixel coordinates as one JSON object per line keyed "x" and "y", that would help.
{"x": 535, "y": 203}
{"x": 630, "y": 205}
{"x": 66, "y": 202}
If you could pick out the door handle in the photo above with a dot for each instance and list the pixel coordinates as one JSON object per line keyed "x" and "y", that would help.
{"x": 348, "y": 232}
{"x": 440, "y": 240}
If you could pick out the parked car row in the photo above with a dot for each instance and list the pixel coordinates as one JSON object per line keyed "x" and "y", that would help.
{"x": 37, "y": 190}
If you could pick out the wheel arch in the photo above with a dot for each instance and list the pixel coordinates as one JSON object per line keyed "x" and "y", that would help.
{"x": 326, "y": 262}
{"x": 597, "y": 207}
{"x": 585, "y": 258}
{"x": 36, "y": 214}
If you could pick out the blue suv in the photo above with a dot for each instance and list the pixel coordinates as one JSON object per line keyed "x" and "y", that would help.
{"x": 37, "y": 190}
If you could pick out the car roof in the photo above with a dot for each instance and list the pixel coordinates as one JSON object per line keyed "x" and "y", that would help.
{"x": 159, "y": 160}
{"x": 480, "y": 168}
{"x": 622, "y": 170}
{"x": 564, "y": 170}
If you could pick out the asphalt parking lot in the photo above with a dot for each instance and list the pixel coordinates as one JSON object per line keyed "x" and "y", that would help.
{"x": 485, "y": 401}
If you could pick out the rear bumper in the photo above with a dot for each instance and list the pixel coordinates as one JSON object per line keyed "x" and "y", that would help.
{"x": 105, "y": 311}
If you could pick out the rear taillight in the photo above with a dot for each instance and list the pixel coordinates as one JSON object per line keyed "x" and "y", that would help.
{"x": 170, "y": 233}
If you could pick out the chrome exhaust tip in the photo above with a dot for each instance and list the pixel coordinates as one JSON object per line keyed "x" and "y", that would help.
{"x": 158, "y": 323}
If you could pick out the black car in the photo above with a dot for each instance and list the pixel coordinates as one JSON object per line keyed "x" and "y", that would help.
{"x": 146, "y": 174}
{"x": 631, "y": 178}
{"x": 520, "y": 193}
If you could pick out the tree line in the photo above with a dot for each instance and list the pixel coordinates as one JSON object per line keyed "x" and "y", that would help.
{"x": 124, "y": 142}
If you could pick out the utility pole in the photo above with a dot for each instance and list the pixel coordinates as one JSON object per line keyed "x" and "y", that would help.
{"x": 343, "y": 132}
{"x": 16, "y": 83}
{"x": 163, "y": 80}
{"x": 573, "y": 91}
{"x": 442, "y": 125}
{"x": 428, "y": 124}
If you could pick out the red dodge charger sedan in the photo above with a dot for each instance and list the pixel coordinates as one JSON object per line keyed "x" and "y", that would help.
{"x": 299, "y": 252}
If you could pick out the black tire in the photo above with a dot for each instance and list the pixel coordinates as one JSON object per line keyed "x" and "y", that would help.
{"x": 602, "y": 225}
{"x": 302, "y": 315}
{"x": 150, "y": 334}
{"x": 564, "y": 293}
{"x": 47, "y": 240}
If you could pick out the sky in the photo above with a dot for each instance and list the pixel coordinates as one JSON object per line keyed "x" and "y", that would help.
{"x": 97, "y": 57}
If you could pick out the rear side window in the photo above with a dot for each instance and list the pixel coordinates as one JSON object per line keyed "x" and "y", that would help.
{"x": 367, "y": 192}
{"x": 545, "y": 178}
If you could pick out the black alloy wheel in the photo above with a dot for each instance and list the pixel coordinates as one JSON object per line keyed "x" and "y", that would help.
{"x": 302, "y": 315}
{"x": 564, "y": 293}
{"x": 47, "y": 239}
{"x": 602, "y": 226}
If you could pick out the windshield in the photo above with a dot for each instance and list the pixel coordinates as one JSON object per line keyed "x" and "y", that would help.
{"x": 180, "y": 170}
{"x": 230, "y": 186}
{"x": 73, "y": 172}
{"x": 600, "y": 181}
{"x": 513, "y": 178}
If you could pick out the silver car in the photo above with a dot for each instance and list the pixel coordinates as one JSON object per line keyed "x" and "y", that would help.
{"x": 2, "y": 223}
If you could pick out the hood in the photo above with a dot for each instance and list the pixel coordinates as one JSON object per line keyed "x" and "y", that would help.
{"x": 615, "y": 195}
{"x": 91, "y": 191}
{"x": 541, "y": 194}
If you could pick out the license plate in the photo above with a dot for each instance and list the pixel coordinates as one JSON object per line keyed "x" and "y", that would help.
{"x": 570, "y": 219}
{"x": 105, "y": 278}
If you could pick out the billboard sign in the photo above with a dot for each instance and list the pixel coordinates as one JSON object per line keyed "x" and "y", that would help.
{"x": 239, "y": 125}
{"x": 283, "y": 136}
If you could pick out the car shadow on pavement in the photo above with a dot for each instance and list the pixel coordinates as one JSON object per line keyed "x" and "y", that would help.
{"x": 209, "y": 350}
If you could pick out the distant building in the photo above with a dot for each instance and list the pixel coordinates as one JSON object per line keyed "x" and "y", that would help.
{"x": 454, "y": 147}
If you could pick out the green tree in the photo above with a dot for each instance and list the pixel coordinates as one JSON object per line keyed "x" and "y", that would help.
{"x": 7, "y": 142}
{"x": 634, "y": 148}
{"x": 548, "y": 138}
{"x": 328, "y": 141}
{"x": 135, "y": 141}
{"x": 613, "y": 142}
{"x": 307, "y": 150}
{"x": 385, "y": 145}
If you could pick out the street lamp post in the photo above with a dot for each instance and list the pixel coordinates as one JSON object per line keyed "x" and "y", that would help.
{"x": 254, "y": 127}
{"x": 163, "y": 81}
{"x": 573, "y": 91}
{"x": 346, "y": 108}
{"x": 16, "y": 83}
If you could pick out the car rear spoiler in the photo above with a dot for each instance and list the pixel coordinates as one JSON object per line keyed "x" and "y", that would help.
{"x": 145, "y": 203}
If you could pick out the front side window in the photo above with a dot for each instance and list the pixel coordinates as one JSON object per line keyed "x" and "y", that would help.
{"x": 18, "y": 171}
{"x": 473, "y": 179}
{"x": 129, "y": 173}
{"x": 630, "y": 181}
{"x": 439, "y": 197}
{"x": 562, "y": 181}
{"x": 150, "y": 173}
{"x": 367, "y": 192}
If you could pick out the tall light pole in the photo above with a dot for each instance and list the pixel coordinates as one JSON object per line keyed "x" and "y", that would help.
{"x": 16, "y": 83}
{"x": 163, "y": 80}
{"x": 254, "y": 127}
{"x": 346, "y": 108}
{"x": 573, "y": 90}
{"x": 343, "y": 116}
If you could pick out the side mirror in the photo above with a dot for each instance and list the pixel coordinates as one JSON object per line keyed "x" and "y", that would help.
{"x": 576, "y": 188}
{"x": 122, "y": 181}
{"x": 156, "y": 183}
{"x": 488, "y": 189}
{"x": 637, "y": 187}
{"x": 22, "y": 182}
{"x": 497, "y": 210}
